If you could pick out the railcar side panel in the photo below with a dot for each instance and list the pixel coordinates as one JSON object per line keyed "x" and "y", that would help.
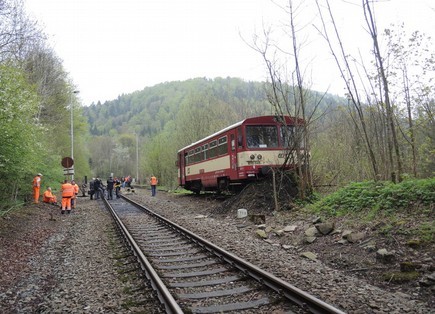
{"x": 209, "y": 171}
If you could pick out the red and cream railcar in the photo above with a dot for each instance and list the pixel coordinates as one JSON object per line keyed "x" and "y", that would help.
{"x": 239, "y": 153}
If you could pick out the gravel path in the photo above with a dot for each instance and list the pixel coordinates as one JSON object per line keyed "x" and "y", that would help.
{"x": 75, "y": 263}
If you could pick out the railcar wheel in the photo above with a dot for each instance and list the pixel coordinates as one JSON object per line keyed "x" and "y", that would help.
{"x": 222, "y": 185}
{"x": 196, "y": 187}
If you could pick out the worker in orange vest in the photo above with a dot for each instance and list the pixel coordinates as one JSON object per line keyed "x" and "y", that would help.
{"x": 49, "y": 197}
{"x": 67, "y": 193}
{"x": 36, "y": 187}
{"x": 153, "y": 183}
{"x": 76, "y": 191}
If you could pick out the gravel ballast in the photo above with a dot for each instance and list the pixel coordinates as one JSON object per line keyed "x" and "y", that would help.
{"x": 53, "y": 263}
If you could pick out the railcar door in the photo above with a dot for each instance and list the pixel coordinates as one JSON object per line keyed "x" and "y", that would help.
{"x": 233, "y": 154}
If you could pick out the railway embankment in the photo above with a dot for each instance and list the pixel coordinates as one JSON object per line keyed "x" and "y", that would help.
{"x": 75, "y": 263}
{"x": 392, "y": 251}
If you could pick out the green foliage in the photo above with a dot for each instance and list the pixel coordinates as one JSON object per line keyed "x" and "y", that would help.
{"x": 167, "y": 117}
{"x": 28, "y": 145}
{"x": 147, "y": 111}
{"x": 160, "y": 157}
{"x": 400, "y": 277}
{"x": 35, "y": 97}
{"x": 19, "y": 131}
{"x": 427, "y": 232}
{"x": 373, "y": 197}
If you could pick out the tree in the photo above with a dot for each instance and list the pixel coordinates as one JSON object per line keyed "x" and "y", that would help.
{"x": 344, "y": 65}
{"x": 19, "y": 141}
{"x": 289, "y": 95}
{"x": 411, "y": 68}
{"x": 383, "y": 80}
{"x": 374, "y": 92}
{"x": 35, "y": 97}
{"x": 201, "y": 115}
{"x": 17, "y": 32}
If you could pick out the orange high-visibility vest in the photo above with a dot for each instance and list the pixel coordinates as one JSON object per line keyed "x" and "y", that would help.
{"x": 67, "y": 190}
{"x": 153, "y": 181}
{"x": 37, "y": 181}
{"x": 48, "y": 197}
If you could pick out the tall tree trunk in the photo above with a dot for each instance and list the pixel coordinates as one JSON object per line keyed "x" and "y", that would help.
{"x": 410, "y": 121}
{"x": 302, "y": 164}
{"x": 381, "y": 69}
{"x": 351, "y": 86}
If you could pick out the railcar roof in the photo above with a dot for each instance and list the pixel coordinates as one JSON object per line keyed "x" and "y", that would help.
{"x": 253, "y": 119}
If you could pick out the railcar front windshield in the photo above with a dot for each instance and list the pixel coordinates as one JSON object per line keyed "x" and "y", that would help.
{"x": 261, "y": 136}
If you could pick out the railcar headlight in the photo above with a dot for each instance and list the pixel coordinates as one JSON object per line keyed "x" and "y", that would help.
{"x": 259, "y": 157}
{"x": 252, "y": 156}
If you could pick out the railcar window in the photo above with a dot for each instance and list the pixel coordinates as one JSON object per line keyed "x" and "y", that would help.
{"x": 189, "y": 157}
{"x": 212, "y": 152}
{"x": 261, "y": 136}
{"x": 204, "y": 149}
{"x": 197, "y": 156}
{"x": 222, "y": 147}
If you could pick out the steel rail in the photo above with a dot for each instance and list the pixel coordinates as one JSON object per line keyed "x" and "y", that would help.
{"x": 165, "y": 297}
{"x": 292, "y": 293}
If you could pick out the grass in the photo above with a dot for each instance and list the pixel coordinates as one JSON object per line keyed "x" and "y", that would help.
{"x": 400, "y": 277}
{"x": 180, "y": 190}
{"x": 407, "y": 207}
{"x": 7, "y": 207}
{"x": 375, "y": 197}
{"x": 427, "y": 232}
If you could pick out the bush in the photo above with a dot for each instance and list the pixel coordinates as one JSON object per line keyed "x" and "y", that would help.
{"x": 379, "y": 196}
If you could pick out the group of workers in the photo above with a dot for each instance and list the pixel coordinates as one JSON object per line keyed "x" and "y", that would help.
{"x": 97, "y": 188}
{"x": 71, "y": 189}
{"x": 69, "y": 194}
{"x": 47, "y": 197}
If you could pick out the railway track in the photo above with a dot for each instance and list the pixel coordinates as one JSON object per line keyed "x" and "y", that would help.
{"x": 192, "y": 275}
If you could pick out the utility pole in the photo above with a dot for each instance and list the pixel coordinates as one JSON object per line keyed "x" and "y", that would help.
{"x": 137, "y": 158}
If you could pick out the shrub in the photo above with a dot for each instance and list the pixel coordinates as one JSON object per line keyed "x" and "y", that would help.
{"x": 379, "y": 196}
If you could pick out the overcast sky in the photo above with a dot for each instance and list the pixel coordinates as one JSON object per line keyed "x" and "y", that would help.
{"x": 111, "y": 47}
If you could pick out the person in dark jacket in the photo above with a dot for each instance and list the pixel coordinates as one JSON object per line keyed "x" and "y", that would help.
{"x": 110, "y": 184}
{"x": 97, "y": 188}
{"x": 117, "y": 187}
{"x": 92, "y": 188}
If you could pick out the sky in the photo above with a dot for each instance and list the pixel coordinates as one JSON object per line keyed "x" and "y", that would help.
{"x": 114, "y": 47}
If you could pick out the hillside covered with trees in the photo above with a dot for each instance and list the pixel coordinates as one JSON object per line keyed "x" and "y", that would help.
{"x": 162, "y": 119}
{"x": 154, "y": 123}
{"x": 384, "y": 129}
